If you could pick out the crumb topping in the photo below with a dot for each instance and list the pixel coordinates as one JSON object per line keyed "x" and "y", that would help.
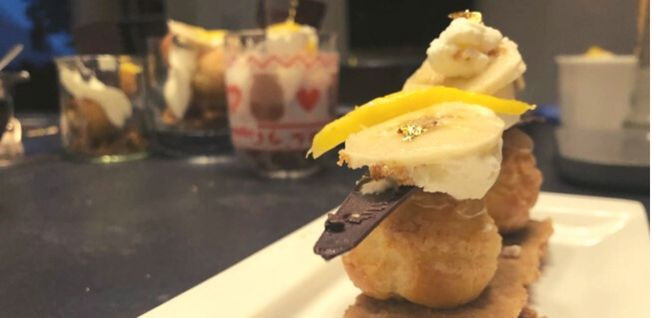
{"x": 511, "y": 251}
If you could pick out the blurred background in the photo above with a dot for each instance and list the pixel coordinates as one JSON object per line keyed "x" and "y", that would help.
{"x": 375, "y": 37}
{"x": 115, "y": 240}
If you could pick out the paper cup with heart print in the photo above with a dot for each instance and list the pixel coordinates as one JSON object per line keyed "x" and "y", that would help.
{"x": 278, "y": 98}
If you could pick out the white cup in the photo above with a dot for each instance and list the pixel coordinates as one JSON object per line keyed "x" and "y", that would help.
{"x": 595, "y": 92}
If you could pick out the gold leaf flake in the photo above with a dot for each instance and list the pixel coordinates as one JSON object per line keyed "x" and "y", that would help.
{"x": 411, "y": 131}
{"x": 473, "y": 16}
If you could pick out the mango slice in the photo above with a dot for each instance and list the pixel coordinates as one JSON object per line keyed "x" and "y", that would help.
{"x": 392, "y": 105}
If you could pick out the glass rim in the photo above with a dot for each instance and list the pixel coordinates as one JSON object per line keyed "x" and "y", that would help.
{"x": 583, "y": 59}
{"x": 73, "y": 57}
{"x": 262, "y": 31}
{"x": 14, "y": 75}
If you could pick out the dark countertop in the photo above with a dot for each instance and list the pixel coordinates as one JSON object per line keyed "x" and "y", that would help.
{"x": 85, "y": 240}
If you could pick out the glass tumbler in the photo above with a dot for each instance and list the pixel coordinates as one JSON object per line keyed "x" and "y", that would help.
{"x": 187, "y": 99}
{"x": 281, "y": 92}
{"x": 11, "y": 147}
{"x": 103, "y": 116}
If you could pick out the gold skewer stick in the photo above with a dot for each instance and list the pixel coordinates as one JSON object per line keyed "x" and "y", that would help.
{"x": 641, "y": 25}
{"x": 292, "y": 13}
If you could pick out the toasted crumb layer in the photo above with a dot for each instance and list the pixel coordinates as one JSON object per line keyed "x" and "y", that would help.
{"x": 505, "y": 297}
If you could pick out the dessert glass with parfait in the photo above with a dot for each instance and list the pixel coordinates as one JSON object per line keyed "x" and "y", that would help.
{"x": 11, "y": 147}
{"x": 187, "y": 94}
{"x": 281, "y": 88}
{"x": 102, "y": 101}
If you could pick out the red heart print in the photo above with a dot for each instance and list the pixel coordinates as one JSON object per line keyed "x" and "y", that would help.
{"x": 308, "y": 98}
{"x": 234, "y": 96}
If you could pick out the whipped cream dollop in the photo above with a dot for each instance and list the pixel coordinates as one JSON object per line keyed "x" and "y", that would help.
{"x": 467, "y": 177}
{"x": 473, "y": 57}
{"x": 464, "y": 177}
{"x": 463, "y": 49}
{"x": 114, "y": 101}
{"x": 177, "y": 89}
{"x": 289, "y": 37}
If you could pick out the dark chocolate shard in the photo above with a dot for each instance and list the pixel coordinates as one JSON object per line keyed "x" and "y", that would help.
{"x": 358, "y": 215}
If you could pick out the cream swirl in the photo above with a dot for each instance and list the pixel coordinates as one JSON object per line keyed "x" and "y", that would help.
{"x": 463, "y": 49}
{"x": 290, "y": 38}
{"x": 114, "y": 101}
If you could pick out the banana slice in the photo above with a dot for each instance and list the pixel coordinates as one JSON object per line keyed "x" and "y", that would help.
{"x": 449, "y": 147}
{"x": 396, "y": 104}
{"x": 502, "y": 78}
{"x": 447, "y": 130}
{"x": 505, "y": 68}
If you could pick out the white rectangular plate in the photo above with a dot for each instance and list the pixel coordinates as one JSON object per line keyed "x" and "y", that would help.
{"x": 598, "y": 267}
